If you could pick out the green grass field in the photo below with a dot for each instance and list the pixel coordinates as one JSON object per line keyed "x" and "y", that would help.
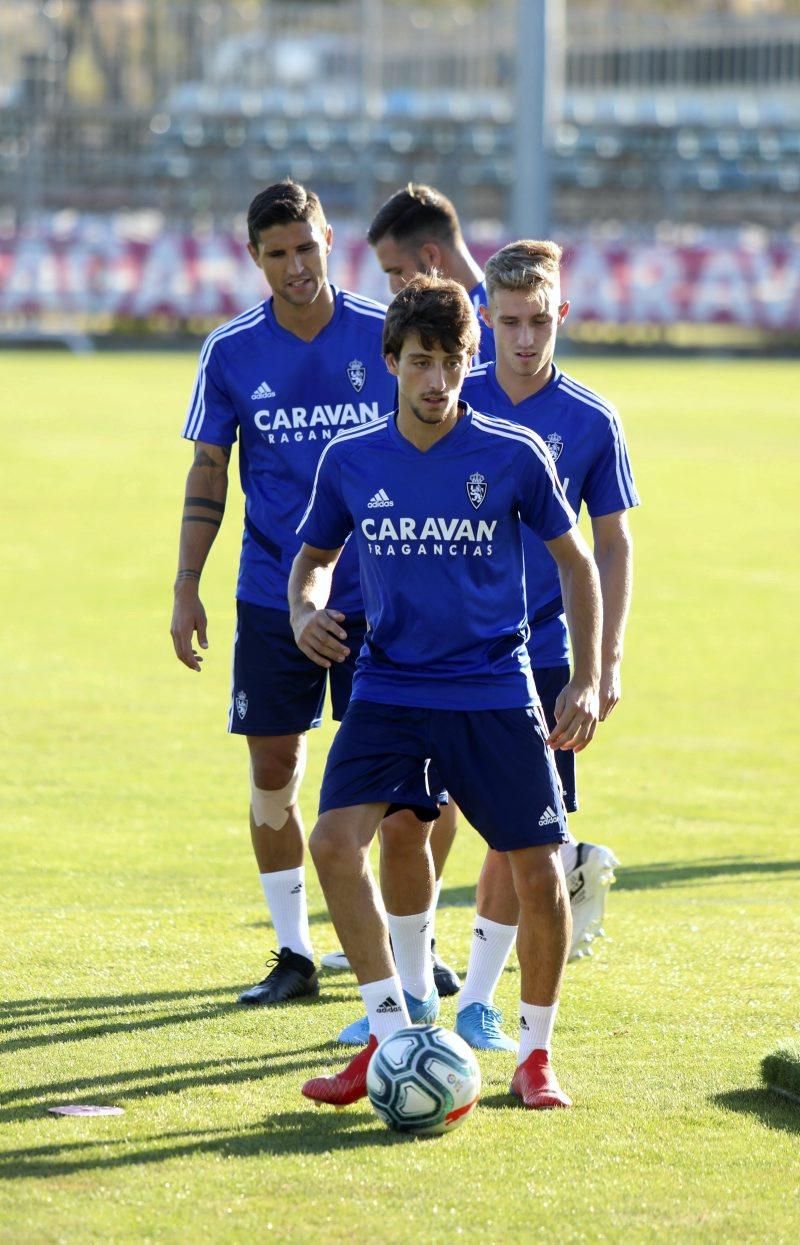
{"x": 133, "y": 913}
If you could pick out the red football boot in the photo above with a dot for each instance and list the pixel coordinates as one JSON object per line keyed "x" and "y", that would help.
{"x": 346, "y": 1086}
{"x": 535, "y": 1084}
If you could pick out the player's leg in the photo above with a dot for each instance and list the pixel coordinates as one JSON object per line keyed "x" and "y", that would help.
{"x": 589, "y": 867}
{"x": 277, "y": 695}
{"x": 277, "y": 765}
{"x": 404, "y": 848}
{"x": 494, "y": 932}
{"x": 405, "y": 881}
{"x": 377, "y": 755}
{"x": 589, "y": 870}
{"x": 543, "y": 939}
{"x": 443, "y": 835}
{"x": 407, "y": 884}
{"x": 397, "y": 840}
{"x": 339, "y": 845}
{"x": 509, "y": 801}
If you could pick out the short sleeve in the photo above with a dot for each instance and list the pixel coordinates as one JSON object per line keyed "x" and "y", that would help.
{"x": 327, "y": 522}
{"x": 609, "y": 484}
{"x": 543, "y": 505}
{"x": 212, "y": 416}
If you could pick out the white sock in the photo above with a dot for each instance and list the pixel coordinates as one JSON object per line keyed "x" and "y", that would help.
{"x": 491, "y": 946}
{"x": 411, "y": 946}
{"x": 535, "y": 1028}
{"x": 386, "y": 1007}
{"x": 569, "y": 855}
{"x": 285, "y": 893}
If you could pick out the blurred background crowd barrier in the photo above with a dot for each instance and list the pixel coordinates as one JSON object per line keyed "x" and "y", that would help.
{"x": 661, "y": 141}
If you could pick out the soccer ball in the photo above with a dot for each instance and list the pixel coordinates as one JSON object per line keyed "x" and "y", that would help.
{"x": 423, "y": 1080}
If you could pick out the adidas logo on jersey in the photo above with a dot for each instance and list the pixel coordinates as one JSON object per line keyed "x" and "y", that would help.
{"x": 548, "y": 817}
{"x": 263, "y": 391}
{"x": 388, "y": 1005}
{"x": 380, "y": 501}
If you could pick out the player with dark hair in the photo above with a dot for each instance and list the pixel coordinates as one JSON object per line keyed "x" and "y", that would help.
{"x": 443, "y": 693}
{"x": 418, "y": 230}
{"x": 283, "y": 377}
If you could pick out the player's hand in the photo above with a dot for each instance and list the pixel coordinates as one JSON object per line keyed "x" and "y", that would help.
{"x": 319, "y": 635}
{"x": 188, "y": 617}
{"x": 610, "y": 689}
{"x": 576, "y": 717}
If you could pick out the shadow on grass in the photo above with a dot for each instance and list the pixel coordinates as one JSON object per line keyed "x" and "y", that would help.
{"x": 502, "y": 1100}
{"x": 96, "y": 1002}
{"x": 292, "y": 1132}
{"x": 62, "y": 1025}
{"x": 122, "y": 1088}
{"x": 708, "y": 869}
{"x": 770, "y": 1109}
{"x": 656, "y": 876}
{"x": 60, "y": 1018}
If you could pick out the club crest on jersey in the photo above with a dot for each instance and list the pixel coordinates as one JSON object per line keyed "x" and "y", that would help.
{"x": 477, "y": 488}
{"x": 357, "y": 374}
{"x": 554, "y": 444}
{"x": 241, "y": 704}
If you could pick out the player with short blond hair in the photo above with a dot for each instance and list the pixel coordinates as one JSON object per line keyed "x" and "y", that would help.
{"x": 584, "y": 436}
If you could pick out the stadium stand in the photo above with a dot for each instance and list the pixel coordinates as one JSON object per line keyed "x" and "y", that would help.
{"x": 132, "y": 134}
{"x": 186, "y": 108}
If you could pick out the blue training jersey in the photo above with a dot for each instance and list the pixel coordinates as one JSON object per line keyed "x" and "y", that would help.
{"x": 439, "y": 537}
{"x": 286, "y": 399}
{"x": 584, "y": 436}
{"x": 478, "y": 298}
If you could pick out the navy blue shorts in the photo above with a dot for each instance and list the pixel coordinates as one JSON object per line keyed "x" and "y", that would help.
{"x": 276, "y": 689}
{"x": 550, "y": 682}
{"x": 494, "y": 762}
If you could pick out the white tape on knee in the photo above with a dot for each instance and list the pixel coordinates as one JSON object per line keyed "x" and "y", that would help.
{"x": 271, "y": 808}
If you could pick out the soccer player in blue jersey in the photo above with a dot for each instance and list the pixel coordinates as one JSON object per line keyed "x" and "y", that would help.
{"x": 283, "y": 378}
{"x": 435, "y": 496}
{"x": 584, "y": 436}
{"x": 417, "y": 231}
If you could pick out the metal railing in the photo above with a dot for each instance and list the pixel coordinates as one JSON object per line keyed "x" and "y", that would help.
{"x": 187, "y": 108}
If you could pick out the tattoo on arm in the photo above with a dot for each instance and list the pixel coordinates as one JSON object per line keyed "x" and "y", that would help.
{"x": 206, "y": 503}
{"x": 204, "y": 459}
{"x": 197, "y": 518}
{"x": 183, "y": 573}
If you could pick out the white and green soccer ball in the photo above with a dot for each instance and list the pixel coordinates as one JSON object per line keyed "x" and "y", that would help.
{"x": 423, "y": 1080}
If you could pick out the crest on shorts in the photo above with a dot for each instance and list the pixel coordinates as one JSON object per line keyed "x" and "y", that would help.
{"x": 554, "y": 444}
{"x": 357, "y": 374}
{"x": 241, "y": 704}
{"x": 477, "y": 488}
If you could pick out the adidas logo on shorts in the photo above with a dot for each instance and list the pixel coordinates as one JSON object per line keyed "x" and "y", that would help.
{"x": 548, "y": 817}
{"x": 388, "y": 1005}
{"x": 263, "y": 391}
{"x": 380, "y": 501}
